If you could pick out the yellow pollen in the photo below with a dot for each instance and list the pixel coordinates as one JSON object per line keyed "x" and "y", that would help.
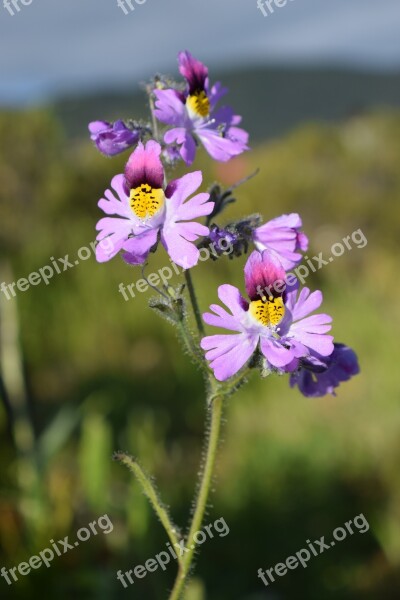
{"x": 146, "y": 201}
{"x": 199, "y": 103}
{"x": 269, "y": 312}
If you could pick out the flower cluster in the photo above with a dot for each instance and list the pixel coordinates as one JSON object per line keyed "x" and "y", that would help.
{"x": 276, "y": 328}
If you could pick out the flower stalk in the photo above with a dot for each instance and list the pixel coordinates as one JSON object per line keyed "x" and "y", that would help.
{"x": 202, "y": 498}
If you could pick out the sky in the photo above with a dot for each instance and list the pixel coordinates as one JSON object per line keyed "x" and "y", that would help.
{"x": 53, "y": 47}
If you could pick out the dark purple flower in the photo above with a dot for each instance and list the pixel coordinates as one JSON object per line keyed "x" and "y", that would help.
{"x": 113, "y": 138}
{"x": 216, "y": 235}
{"x": 194, "y": 116}
{"x": 318, "y": 376}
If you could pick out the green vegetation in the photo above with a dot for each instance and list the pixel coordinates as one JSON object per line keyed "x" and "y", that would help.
{"x": 102, "y": 374}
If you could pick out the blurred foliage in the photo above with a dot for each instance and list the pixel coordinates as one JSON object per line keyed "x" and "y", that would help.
{"x": 103, "y": 374}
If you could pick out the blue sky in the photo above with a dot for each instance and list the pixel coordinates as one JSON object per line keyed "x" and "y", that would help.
{"x": 56, "y": 46}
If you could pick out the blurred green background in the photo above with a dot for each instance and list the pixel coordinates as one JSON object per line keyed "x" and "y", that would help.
{"x": 85, "y": 373}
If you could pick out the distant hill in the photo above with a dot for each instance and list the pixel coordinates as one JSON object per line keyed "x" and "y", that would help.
{"x": 271, "y": 100}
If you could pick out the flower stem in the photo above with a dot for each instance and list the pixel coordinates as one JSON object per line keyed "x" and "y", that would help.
{"x": 151, "y": 493}
{"x": 201, "y": 502}
{"x": 153, "y": 116}
{"x": 194, "y": 302}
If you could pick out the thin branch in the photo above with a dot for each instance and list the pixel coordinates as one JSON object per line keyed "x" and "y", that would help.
{"x": 152, "y": 495}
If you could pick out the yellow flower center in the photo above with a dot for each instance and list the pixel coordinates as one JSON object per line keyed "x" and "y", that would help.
{"x": 268, "y": 311}
{"x": 199, "y": 104}
{"x": 146, "y": 201}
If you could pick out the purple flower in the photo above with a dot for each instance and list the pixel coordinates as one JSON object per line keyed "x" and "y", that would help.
{"x": 283, "y": 236}
{"x": 194, "y": 116}
{"x": 113, "y": 138}
{"x": 216, "y": 235}
{"x": 280, "y": 324}
{"x": 318, "y": 376}
{"x": 145, "y": 211}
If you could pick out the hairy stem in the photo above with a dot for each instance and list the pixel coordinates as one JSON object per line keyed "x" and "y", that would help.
{"x": 151, "y": 493}
{"x": 202, "y": 498}
{"x": 194, "y": 302}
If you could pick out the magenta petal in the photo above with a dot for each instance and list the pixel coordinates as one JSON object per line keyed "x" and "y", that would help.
{"x": 261, "y": 272}
{"x": 194, "y": 71}
{"x": 144, "y": 166}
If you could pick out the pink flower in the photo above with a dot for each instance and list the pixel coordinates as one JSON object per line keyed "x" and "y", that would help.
{"x": 146, "y": 211}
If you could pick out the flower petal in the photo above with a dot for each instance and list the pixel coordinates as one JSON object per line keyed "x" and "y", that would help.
{"x": 144, "y": 166}
{"x": 169, "y": 107}
{"x": 228, "y": 353}
{"x": 275, "y": 352}
{"x": 138, "y": 247}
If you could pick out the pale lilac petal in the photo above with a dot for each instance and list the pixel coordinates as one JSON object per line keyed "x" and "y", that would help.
{"x": 116, "y": 231}
{"x": 305, "y": 304}
{"x": 181, "y": 251}
{"x": 322, "y": 344}
{"x": 137, "y": 248}
{"x": 193, "y": 230}
{"x": 110, "y": 205}
{"x": 282, "y": 235}
{"x": 232, "y": 298}
{"x": 198, "y": 206}
{"x": 225, "y": 321}
{"x": 169, "y": 107}
{"x": 234, "y": 301}
{"x": 229, "y": 353}
{"x": 179, "y": 189}
{"x": 216, "y": 93}
{"x": 98, "y": 126}
{"x": 185, "y": 140}
{"x": 319, "y": 323}
{"x": 108, "y": 247}
{"x": 275, "y": 352}
{"x": 220, "y": 148}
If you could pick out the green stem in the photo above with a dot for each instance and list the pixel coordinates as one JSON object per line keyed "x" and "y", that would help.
{"x": 201, "y": 503}
{"x": 153, "y": 117}
{"x": 194, "y": 302}
{"x": 151, "y": 493}
{"x": 191, "y": 346}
